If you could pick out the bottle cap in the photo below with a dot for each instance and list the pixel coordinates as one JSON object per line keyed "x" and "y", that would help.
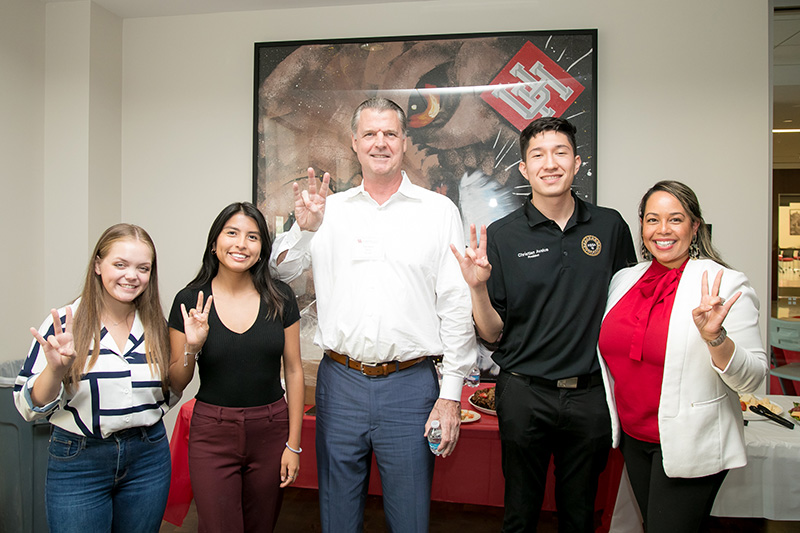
{"x": 434, "y": 423}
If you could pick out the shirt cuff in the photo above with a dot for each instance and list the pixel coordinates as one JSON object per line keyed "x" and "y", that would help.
{"x": 451, "y": 388}
{"x": 728, "y": 366}
{"x": 296, "y": 239}
{"x": 26, "y": 393}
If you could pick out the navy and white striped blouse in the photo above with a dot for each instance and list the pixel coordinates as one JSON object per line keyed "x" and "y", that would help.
{"x": 119, "y": 392}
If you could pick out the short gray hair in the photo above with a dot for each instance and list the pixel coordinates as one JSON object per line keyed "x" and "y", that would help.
{"x": 379, "y": 104}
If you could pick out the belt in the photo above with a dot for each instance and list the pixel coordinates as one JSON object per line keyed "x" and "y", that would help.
{"x": 586, "y": 381}
{"x": 378, "y": 370}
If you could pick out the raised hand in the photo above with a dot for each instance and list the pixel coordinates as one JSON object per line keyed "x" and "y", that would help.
{"x": 309, "y": 206}
{"x": 709, "y": 315}
{"x": 474, "y": 264}
{"x": 195, "y": 322}
{"x": 59, "y": 348}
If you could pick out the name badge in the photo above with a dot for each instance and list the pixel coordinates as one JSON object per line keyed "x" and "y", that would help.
{"x": 368, "y": 249}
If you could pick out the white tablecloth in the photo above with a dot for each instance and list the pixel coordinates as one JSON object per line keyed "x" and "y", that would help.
{"x": 768, "y": 487}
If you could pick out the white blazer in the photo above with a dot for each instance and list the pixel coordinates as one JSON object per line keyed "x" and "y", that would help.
{"x": 699, "y": 417}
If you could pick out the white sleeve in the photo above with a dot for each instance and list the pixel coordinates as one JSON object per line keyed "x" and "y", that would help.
{"x": 454, "y": 307}
{"x": 297, "y": 245}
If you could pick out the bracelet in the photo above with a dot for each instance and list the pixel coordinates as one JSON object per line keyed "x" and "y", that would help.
{"x": 298, "y": 451}
{"x": 187, "y": 353}
{"x": 720, "y": 339}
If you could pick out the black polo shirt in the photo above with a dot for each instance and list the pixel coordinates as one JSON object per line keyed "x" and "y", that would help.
{"x": 550, "y": 287}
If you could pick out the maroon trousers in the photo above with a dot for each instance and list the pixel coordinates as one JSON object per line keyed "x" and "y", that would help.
{"x": 234, "y": 463}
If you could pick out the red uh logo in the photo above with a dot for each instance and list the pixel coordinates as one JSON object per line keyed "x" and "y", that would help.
{"x": 530, "y": 86}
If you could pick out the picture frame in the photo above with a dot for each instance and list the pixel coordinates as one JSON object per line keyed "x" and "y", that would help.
{"x": 466, "y": 97}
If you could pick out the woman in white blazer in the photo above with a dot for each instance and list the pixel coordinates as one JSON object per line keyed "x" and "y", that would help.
{"x": 672, "y": 370}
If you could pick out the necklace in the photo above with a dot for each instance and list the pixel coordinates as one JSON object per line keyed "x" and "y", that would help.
{"x": 124, "y": 319}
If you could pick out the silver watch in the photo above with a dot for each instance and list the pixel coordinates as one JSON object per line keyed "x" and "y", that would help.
{"x": 720, "y": 339}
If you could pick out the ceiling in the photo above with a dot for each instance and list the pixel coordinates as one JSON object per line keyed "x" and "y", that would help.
{"x": 786, "y": 49}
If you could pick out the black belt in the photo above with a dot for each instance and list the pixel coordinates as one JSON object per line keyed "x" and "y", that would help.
{"x": 380, "y": 369}
{"x": 586, "y": 381}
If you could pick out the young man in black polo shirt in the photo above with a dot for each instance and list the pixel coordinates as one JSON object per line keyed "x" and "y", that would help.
{"x": 539, "y": 281}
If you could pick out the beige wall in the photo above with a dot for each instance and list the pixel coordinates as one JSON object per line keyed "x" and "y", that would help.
{"x": 22, "y": 37}
{"x": 683, "y": 93}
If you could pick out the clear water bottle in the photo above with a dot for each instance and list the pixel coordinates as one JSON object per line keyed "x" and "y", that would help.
{"x": 473, "y": 379}
{"x": 435, "y": 437}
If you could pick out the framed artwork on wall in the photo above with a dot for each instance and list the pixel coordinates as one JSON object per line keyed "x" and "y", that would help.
{"x": 466, "y": 97}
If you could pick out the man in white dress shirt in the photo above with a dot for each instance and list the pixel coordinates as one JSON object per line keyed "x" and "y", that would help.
{"x": 389, "y": 295}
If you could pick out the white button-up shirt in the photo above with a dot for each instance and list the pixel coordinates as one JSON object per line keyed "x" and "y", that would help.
{"x": 387, "y": 285}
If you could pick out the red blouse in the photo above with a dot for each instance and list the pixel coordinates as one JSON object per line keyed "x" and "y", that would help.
{"x": 633, "y": 342}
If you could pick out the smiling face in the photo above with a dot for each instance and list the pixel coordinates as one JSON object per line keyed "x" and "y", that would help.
{"x": 238, "y": 246}
{"x": 379, "y": 144}
{"x": 125, "y": 270}
{"x": 550, "y": 165}
{"x": 667, "y": 229}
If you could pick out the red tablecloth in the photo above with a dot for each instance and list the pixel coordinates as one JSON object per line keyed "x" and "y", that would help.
{"x": 180, "y": 488}
{"x": 472, "y": 475}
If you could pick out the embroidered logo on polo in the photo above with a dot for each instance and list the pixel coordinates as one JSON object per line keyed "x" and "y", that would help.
{"x": 532, "y": 254}
{"x": 591, "y": 245}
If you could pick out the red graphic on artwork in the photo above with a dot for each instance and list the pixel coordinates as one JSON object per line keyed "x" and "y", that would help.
{"x": 530, "y": 86}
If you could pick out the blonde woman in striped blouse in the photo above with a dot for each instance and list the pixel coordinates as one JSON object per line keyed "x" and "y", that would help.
{"x": 98, "y": 370}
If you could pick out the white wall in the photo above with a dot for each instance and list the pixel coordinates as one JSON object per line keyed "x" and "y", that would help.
{"x": 22, "y": 31}
{"x": 683, "y": 94}
{"x": 82, "y": 165}
{"x": 60, "y": 148}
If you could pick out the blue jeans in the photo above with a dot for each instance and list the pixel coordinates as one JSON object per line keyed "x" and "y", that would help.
{"x": 118, "y": 484}
{"x": 358, "y": 416}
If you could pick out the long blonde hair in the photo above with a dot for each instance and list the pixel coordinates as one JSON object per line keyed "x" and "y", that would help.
{"x": 87, "y": 326}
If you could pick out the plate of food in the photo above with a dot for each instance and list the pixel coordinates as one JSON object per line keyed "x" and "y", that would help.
{"x": 746, "y": 400}
{"x": 795, "y": 411}
{"x": 468, "y": 415}
{"x": 483, "y": 401}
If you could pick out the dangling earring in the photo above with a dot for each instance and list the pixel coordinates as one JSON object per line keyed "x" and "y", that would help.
{"x": 646, "y": 253}
{"x": 694, "y": 248}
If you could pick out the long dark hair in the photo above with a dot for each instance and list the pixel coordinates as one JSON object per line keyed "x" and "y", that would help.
{"x": 87, "y": 325}
{"x": 262, "y": 280}
{"x": 688, "y": 199}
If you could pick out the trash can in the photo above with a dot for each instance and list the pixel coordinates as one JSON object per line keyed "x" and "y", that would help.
{"x": 23, "y": 462}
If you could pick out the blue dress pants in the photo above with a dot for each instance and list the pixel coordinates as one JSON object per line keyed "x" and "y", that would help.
{"x": 358, "y": 416}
